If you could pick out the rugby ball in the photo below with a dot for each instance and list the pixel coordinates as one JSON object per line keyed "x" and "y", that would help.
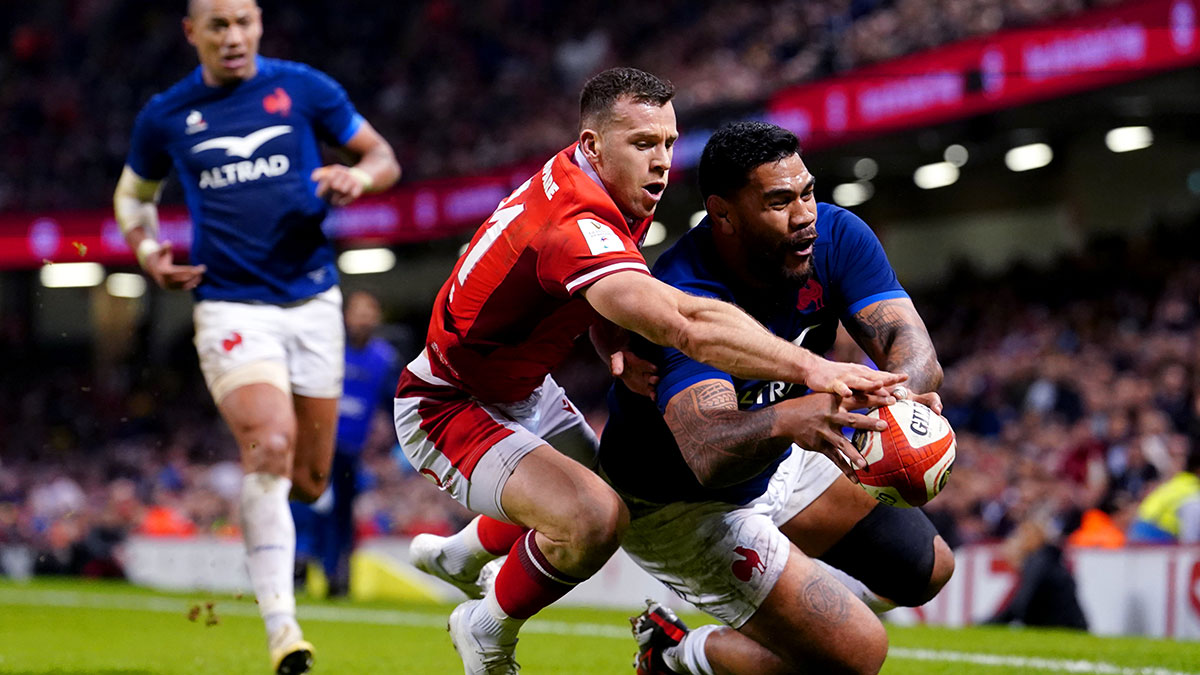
{"x": 910, "y": 462}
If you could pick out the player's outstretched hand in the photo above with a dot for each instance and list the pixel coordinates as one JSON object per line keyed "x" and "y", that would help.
{"x": 817, "y": 426}
{"x": 640, "y": 375}
{"x": 844, "y": 379}
{"x": 161, "y": 267}
{"x": 337, "y": 184}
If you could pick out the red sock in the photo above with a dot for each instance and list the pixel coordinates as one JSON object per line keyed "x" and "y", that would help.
{"x": 497, "y": 536}
{"x": 527, "y": 582}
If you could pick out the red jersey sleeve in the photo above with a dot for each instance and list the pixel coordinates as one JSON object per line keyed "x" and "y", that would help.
{"x": 582, "y": 249}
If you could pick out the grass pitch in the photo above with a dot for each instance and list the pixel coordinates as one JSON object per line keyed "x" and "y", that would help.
{"x": 74, "y": 627}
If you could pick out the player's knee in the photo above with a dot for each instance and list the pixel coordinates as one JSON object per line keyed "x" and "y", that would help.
{"x": 908, "y": 541}
{"x": 599, "y": 524}
{"x": 267, "y": 450}
{"x": 943, "y": 568}
{"x": 309, "y": 483}
{"x": 873, "y": 650}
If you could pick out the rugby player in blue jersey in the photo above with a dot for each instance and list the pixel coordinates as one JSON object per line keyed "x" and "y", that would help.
{"x": 735, "y": 488}
{"x": 243, "y": 134}
{"x": 325, "y": 529}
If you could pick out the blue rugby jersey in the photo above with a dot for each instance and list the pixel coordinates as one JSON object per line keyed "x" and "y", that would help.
{"x": 244, "y": 153}
{"x": 850, "y": 271}
{"x": 371, "y": 374}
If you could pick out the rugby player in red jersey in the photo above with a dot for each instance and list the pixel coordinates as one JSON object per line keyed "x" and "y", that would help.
{"x": 477, "y": 411}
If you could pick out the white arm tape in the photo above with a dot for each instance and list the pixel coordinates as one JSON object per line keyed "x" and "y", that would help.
{"x": 147, "y": 247}
{"x": 362, "y": 177}
{"x": 135, "y": 203}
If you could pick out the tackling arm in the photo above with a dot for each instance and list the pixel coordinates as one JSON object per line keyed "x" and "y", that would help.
{"x": 722, "y": 335}
{"x": 892, "y": 333}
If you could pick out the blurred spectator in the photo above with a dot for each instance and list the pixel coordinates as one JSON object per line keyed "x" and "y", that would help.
{"x": 1045, "y": 594}
{"x": 1104, "y": 526}
{"x": 452, "y": 84}
{"x": 1171, "y": 513}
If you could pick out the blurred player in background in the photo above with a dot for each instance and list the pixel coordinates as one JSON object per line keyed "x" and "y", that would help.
{"x": 242, "y": 133}
{"x": 325, "y": 529}
{"x": 477, "y": 411}
{"x": 730, "y": 506}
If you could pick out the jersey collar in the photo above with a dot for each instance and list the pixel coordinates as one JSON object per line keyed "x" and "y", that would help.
{"x": 587, "y": 168}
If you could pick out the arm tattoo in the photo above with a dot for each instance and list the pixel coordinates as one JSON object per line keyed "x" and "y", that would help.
{"x": 894, "y": 336}
{"x": 722, "y": 445}
{"x": 825, "y": 600}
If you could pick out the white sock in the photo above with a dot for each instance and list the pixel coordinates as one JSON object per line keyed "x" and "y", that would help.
{"x": 688, "y": 656}
{"x": 463, "y": 554}
{"x": 874, "y": 602}
{"x": 493, "y": 620}
{"x": 270, "y": 538}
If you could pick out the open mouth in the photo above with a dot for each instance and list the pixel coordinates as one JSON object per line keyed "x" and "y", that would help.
{"x": 655, "y": 190}
{"x": 233, "y": 61}
{"x": 803, "y": 247}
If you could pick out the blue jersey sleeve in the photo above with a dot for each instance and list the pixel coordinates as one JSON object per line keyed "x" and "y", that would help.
{"x": 859, "y": 265}
{"x": 147, "y": 149}
{"x": 676, "y": 370}
{"x": 334, "y": 114}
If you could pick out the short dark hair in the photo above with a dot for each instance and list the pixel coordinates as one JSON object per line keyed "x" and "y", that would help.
{"x": 738, "y": 148}
{"x": 604, "y": 89}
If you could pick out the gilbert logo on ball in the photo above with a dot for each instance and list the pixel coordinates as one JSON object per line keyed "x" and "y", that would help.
{"x": 910, "y": 462}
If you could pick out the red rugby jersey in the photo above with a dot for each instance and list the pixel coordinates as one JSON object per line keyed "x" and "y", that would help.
{"x": 511, "y": 309}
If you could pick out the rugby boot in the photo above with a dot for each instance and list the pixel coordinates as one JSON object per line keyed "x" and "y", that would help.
{"x": 291, "y": 654}
{"x": 425, "y": 553}
{"x": 655, "y": 630}
{"x": 481, "y": 652}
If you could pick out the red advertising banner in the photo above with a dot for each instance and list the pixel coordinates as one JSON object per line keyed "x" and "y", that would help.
{"x": 420, "y": 212}
{"x": 1006, "y": 69}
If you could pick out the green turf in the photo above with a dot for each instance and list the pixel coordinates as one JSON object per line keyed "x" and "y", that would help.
{"x": 76, "y": 627}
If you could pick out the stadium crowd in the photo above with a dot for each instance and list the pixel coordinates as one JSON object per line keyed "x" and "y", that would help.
{"x": 1071, "y": 388}
{"x": 455, "y": 86}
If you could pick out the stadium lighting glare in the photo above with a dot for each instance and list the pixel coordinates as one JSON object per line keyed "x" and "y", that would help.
{"x": 932, "y": 176}
{"x": 956, "y": 154}
{"x": 657, "y": 234}
{"x": 696, "y": 217}
{"x": 1028, "y": 157}
{"x": 866, "y": 168}
{"x": 1125, "y": 139}
{"x": 366, "y": 261}
{"x": 125, "y": 285}
{"x": 852, "y": 194}
{"x": 72, "y": 275}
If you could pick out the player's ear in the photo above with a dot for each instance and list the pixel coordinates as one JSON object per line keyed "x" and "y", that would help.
{"x": 718, "y": 212}
{"x": 188, "y": 27}
{"x": 589, "y": 144}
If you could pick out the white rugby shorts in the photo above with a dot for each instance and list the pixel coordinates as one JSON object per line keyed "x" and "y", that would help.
{"x": 299, "y": 347}
{"x": 721, "y": 557}
{"x": 469, "y": 448}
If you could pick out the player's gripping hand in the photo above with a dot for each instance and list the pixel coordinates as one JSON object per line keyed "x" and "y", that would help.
{"x": 816, "y": 423}
{"x": 844, "y": 379}
{"x": 640, "y": 375}
{"x": 340, "y": 185}
{"x": 160, "y": 266}
{"x": 929, "y": 399}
